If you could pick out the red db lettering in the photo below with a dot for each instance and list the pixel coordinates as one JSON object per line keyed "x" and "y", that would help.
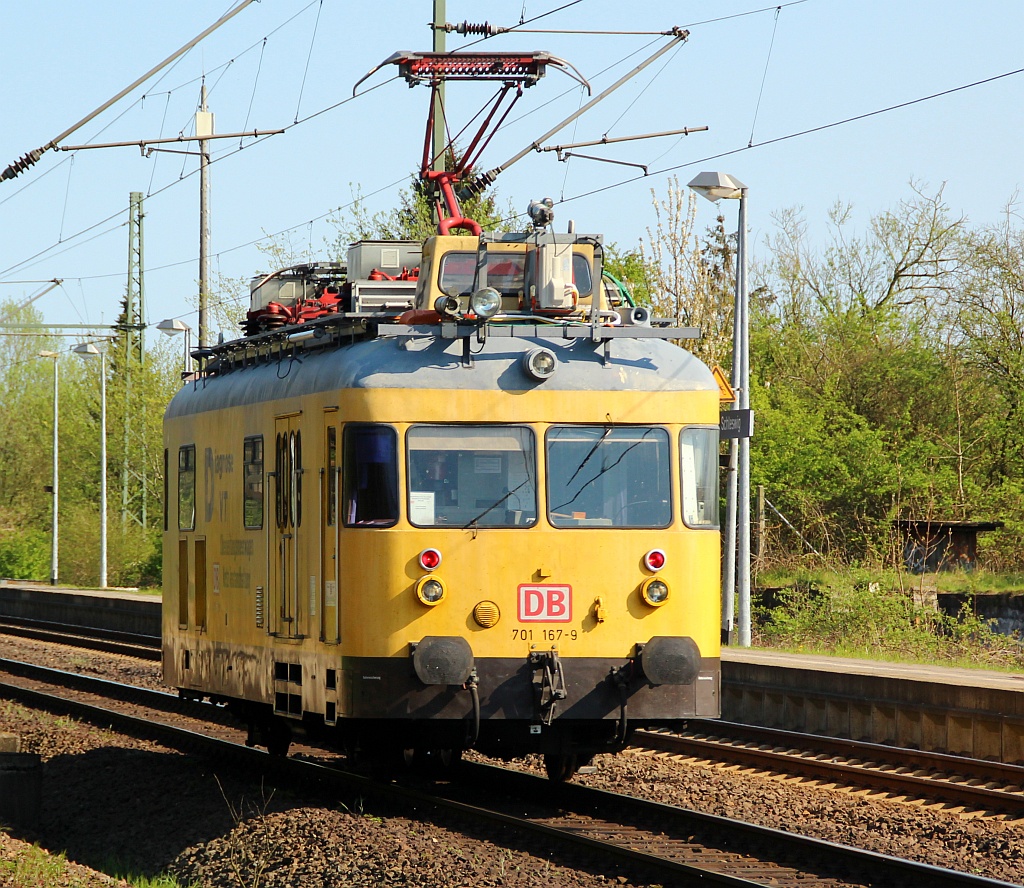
{"x": 534, "y": 604}
{"x": 556, "y": 604}
{"x": 545, "y": 604}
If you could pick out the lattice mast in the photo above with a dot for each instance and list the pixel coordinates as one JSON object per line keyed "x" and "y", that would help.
{"x": 132, "y": 328}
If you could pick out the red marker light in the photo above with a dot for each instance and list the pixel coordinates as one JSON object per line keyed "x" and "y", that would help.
{"x": 430, "y": 559}
{"x": 654, "y": 560}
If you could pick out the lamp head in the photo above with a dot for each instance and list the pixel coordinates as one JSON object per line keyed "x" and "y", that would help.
{"x": 717, "y": 186}
{"x": 172, "y": 326}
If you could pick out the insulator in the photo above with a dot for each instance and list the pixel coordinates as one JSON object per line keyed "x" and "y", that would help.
{"x": 20, "y": 166}
{"x": 471, "y": 189}
{"x": 484, "y": 30}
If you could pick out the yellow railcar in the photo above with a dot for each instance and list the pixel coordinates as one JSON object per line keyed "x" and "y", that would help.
{"x": 490, "y": 521}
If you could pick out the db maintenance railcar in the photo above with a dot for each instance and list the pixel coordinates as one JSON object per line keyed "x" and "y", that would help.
{"x": 482, "y": 514}
{"x": 450, "y": 496}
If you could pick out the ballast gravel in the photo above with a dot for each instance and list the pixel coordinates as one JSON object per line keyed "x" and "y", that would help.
{"x": 117, "y": 807}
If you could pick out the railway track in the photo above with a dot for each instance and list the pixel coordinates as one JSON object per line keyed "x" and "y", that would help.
{"x": 129, "y": 644}
{"x": 896, "y": 772}
{"x": 676, "y": 846}
{"x": 906, "y": 773}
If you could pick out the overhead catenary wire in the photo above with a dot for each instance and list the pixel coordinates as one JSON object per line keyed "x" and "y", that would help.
{"x": 31, "y": 157}
{"x": 192, "y": 81}
{"x": 183, "y": 175}
{"x": 660, "y": 171}
{"x": 255, "y": 83}
{"x": 31, "y": 259}
{"x": 800, "y": 133}
{"x": 309, "y": 56}
{"x": 580, "y": 196}
{"x": 487, "y": 30}
{"x": 764, "y": 76}
{"x": 163, "y": 121}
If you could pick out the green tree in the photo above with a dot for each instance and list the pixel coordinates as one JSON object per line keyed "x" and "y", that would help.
{"x": 415, "y": 217}
{"x": 26, "y": 452}
{"x": 864, "y": 413}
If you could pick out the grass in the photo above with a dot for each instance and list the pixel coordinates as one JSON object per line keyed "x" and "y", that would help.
{"x": 875, "y": 614}
{"x": 979, "y": 582}
{"x": 33, "y": 867}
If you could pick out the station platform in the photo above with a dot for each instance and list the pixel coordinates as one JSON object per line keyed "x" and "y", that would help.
{"x": 972, "y": 712}
{"x": 116, "y": 610}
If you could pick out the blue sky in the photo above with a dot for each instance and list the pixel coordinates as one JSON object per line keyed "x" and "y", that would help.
{"x": 282, "y": 60}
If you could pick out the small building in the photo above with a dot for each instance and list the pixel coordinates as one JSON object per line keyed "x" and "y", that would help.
{"x": 930, "y": 545}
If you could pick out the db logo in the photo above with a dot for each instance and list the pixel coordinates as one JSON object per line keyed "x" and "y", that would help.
{"x": 545, "y": 604}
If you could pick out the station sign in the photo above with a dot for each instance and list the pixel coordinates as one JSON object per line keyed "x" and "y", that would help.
{"x": 736, "y": 424}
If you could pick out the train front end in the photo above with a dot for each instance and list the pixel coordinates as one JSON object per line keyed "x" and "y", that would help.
{"x": 549, "y": 578}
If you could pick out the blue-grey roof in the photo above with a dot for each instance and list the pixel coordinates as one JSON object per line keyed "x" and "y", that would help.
{"x": 433, "y": 363}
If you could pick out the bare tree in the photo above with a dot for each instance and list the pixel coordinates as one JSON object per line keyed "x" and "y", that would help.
{"x": 689, "y": 283}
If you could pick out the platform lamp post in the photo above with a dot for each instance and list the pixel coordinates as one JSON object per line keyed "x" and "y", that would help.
{"x": 88, "y": 350}
{"x": 55, "y": 485}
{"x": 172, "y": 327}
{"x": 715, "y": 187}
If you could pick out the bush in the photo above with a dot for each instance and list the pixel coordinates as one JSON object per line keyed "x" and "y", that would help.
{"x": 25, "y": 555}
{"x": 857, "y": 615}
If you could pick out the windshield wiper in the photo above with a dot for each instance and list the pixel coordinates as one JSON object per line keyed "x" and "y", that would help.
{"x": 604, "y": 470}
{"x": 593, "y": 450}
{"x": 493, "y": 506}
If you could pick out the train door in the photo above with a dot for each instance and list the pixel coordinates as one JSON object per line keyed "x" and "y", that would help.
{"x": 284, "y": 531}
{"x": 330, "y": 627}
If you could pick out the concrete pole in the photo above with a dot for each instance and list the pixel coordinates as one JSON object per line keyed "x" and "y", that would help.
{"x": 56, "y": 476}
{"x": 204, "y": 127}
{"x": 729, "y": 554}
{"x": 743, "y": 482}
{"x": 103, "y": 470}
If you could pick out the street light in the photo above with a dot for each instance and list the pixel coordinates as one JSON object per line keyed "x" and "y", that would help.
{"x": 715, "y": 187}
{"x": 88, "y": 350}
{"x": 172, "y": 327}
{"x": 54, "y": 488}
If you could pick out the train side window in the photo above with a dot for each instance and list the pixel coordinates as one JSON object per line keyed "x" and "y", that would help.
{"x": 282, "y": 472}
{"x": 370, "y": 475}
{"x": 187, "y": 487}
{"x": 581, "y": 275}
{"x": 252, "y": 481}
{"x": 464, "y": 475}
{"x": 698, "y": 455}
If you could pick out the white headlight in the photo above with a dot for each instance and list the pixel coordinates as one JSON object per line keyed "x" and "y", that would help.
{"x": 540, "y": 363}
{"x": 485, "y": 302}
{"x": 654, "y": 592}
{"x": 430, "y": 589}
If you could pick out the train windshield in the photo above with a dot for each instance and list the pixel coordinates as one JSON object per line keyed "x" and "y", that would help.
{"x": 698, "y": 469}
{"x": 472, "y": 475}
{"x": 608, "y": 476}
{"x": 506, "y": 272}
